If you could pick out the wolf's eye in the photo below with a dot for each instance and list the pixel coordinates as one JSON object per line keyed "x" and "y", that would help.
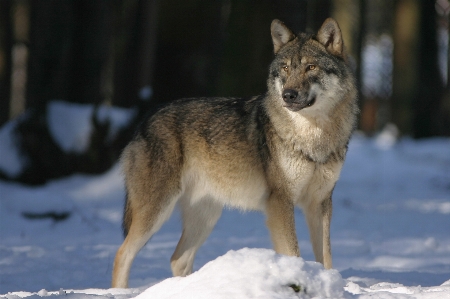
{"x": 285, "y": 68}
{"x": 310, "y": 67}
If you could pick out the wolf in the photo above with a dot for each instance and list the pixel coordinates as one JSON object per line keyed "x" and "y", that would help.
{"x": 272, "y": 152}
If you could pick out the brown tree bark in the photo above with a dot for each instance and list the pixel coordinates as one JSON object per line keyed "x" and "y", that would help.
{"x": 406, "y": 53}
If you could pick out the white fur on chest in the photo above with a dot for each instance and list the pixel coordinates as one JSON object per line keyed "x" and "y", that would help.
{"x": 309, "y": 181}
{"x": 321, "y": 183}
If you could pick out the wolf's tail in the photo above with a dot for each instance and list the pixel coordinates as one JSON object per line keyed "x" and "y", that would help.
{"x": 126, "y": 220}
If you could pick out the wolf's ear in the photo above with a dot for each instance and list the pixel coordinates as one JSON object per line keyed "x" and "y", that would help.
{"x": 330, "y": 36}
{"x": 281, "y": 35}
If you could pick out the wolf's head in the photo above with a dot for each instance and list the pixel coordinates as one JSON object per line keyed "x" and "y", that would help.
{"x": 309, "y": 74}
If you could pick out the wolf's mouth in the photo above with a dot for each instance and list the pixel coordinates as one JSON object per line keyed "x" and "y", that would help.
{"x": 311, "y": 102}
{"x": 301, "y": 104}
{"x": 295, "y": 101}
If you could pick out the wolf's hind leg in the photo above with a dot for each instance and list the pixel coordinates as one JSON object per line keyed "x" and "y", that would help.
{"x": 133, "y": 242}
{"x": 199, "y": 220}
{"x": 145, "y": 222}
{"x": 318, "y": 217}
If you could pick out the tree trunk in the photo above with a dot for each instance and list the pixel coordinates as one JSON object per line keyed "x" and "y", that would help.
{"x": 248, "y": 48}
{"x": 406, "y": 66}
{"x": 135, "y": 47}
{"x": 189, "y": 45}
{"x": 444, "y": 109}
{"x": 427, "y": 100}
{"x": 317, "y": 12}
{"x": 51, "y": 29}
{"x": 89, "y": 51}
{"x": 5, "y": 59}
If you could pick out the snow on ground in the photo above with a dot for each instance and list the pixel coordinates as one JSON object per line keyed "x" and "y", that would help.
{"x": 390, "y": 236}
{"x": 252, "y": 273}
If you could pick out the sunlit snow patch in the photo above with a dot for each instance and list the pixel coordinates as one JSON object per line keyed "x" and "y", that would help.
{"x": 429, "y": 206}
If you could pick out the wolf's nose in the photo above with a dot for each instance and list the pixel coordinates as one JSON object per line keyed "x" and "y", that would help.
{"x": 289, "y": 95}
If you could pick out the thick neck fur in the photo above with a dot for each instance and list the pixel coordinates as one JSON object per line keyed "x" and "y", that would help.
{"x": 318, "y": 134}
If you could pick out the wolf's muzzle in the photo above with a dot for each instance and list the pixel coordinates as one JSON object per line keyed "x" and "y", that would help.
{"x": 295, "y": 101}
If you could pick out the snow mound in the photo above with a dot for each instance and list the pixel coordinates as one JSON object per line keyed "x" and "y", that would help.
{"x": 253, "y": 273}
{"x": 71, "y": 126}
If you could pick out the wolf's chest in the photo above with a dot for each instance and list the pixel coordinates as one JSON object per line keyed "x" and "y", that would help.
{"x": 307, "y": 180}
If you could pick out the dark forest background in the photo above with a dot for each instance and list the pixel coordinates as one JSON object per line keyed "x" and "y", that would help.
{"x": 143, "y": 53}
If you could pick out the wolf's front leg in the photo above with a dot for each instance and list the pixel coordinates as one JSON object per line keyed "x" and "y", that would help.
{"x": 318, "y": 217}
{"x": 281, "y": 224}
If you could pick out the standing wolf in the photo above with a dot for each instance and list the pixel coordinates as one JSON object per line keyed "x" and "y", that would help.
{"x": 272, "y": 152}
